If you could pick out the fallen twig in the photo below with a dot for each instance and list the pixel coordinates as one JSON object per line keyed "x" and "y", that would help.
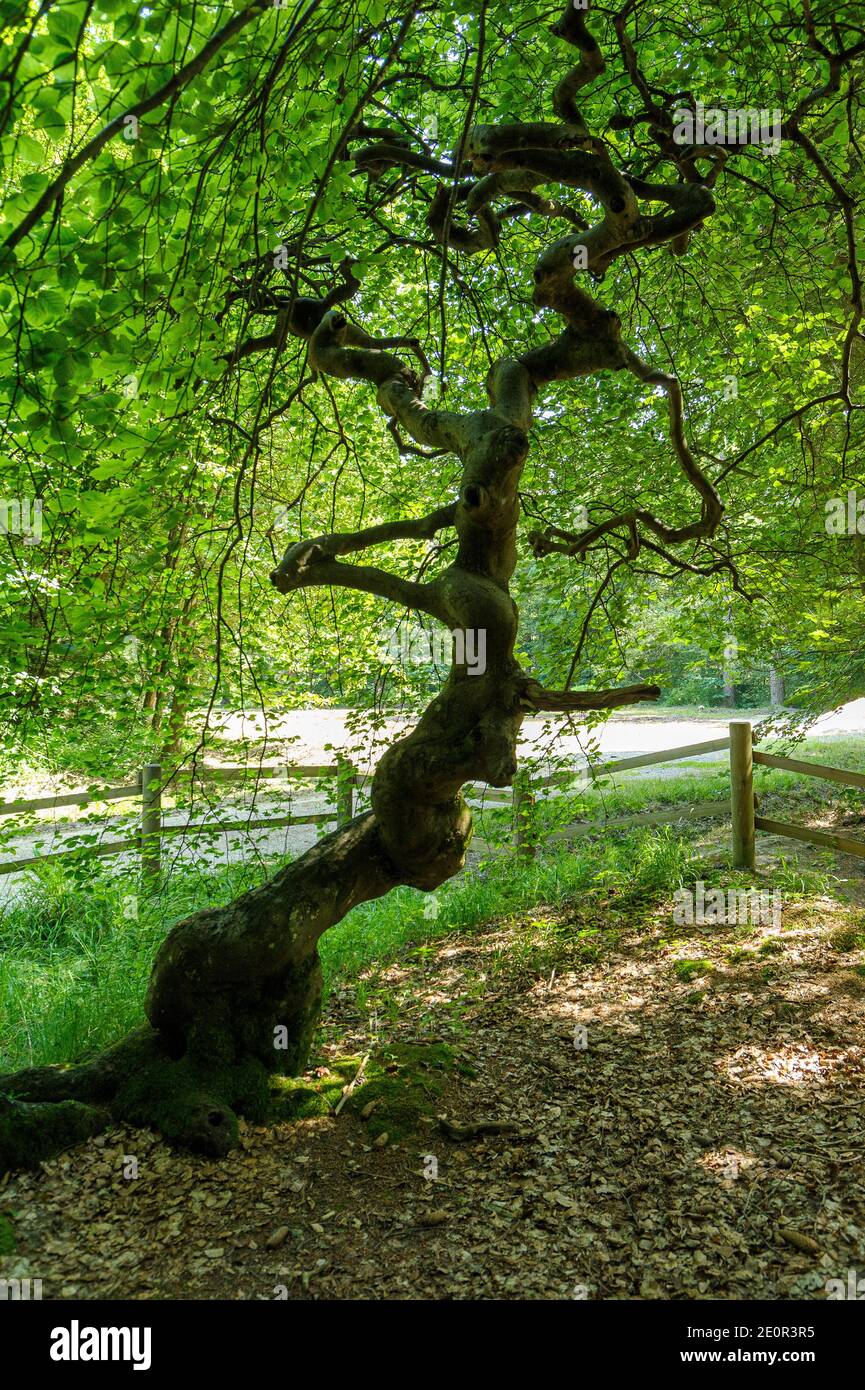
{"x": 481, "y": 1128}
{"x": 352, "y": 1084}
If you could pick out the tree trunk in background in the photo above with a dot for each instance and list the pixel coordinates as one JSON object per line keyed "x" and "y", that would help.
{"x": 728, "y": 670}
{"x": 176, "y": 723}
{"x": 151, "y": 705}
{"x": 776, "y": 687}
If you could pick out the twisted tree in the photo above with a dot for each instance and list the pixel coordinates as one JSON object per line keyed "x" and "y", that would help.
{"x": 235, "y": 992}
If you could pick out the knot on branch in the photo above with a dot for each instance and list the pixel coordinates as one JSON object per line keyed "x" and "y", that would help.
{"x": 295, "y": 565}
{"x": 506, "y": 449}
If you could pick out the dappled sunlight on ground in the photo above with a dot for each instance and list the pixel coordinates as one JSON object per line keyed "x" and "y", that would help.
{"x": 728, "y": 1164}
{"x": 687, "y": 1112}
{"x": 791, "y": 1066}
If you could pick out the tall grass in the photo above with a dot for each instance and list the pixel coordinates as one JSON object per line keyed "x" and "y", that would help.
{"x": 75, "y": 953}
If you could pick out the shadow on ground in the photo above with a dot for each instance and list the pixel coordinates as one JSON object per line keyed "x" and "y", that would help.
{"x": 688, "y": 1104}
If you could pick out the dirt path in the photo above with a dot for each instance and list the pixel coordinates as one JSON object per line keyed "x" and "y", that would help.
{"x": 708, "y": 1141}
{"x": 643, "y": 729}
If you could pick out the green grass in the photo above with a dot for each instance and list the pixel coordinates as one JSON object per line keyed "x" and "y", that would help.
{"x": 74, "y": 959}
{"x": 75, "y": 955}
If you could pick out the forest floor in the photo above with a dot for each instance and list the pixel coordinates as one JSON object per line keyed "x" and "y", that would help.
{"x": 704, "y": 1137}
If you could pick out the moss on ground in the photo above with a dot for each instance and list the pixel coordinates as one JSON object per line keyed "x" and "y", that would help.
{"x": 400, "y": 1086}
{"x": 688, "y": 970}
{"x": 771, "y": 948}
{"x": 318, "y": 1093}
{"x": 31, "y": 1133}
{"x": 7, "y": 1236}
{"x": 844, "y": 939}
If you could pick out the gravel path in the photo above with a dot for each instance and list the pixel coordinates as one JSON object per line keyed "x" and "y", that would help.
{"x": 312, "y": 736}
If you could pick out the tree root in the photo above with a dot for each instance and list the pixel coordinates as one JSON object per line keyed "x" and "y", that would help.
{"x": 196, "y": 1107}
{"x": 30, "y": 1133}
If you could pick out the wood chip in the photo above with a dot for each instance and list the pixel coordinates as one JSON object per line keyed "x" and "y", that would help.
{"x": 803, "y": 1243}
{"x": 276, "y": 1238}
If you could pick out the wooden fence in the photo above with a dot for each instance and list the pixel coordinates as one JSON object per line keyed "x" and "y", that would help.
{"x": 740, "y": 808}
{"x": 148, "y": 787}
{"x": 750, "y": 823}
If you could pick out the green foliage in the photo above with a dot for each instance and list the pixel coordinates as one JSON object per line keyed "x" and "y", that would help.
{"x": 170, "y": 482}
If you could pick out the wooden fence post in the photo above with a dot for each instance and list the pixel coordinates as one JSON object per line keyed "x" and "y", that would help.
{"x": 151, "y": 821}
{"x": 344, "y": 791}
{"x": 742, "y": 793}
{"x": 524, "y": 804}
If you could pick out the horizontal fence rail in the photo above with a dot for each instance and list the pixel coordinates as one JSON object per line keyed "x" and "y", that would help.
{"x": 740, "y": 808}
{"x": 699, "y": 810}
{"x": 829, "y": 774}
{"x": 148, "y": 787}
{"x": 110, "y": 847}
{"x": 842, "y": 843}
{"x": 666, "y": 755}
{"x": 51, "y": 803}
